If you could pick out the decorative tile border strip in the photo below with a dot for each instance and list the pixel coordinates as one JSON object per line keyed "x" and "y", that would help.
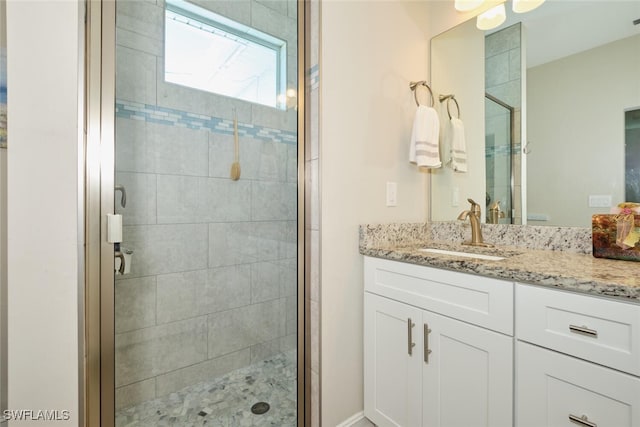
{"x": 502, "y": 150}
{"x": 170, "y": 117}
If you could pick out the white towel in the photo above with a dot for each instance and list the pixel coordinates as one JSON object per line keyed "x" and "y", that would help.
{"x": 458, "y": 145}
{"x": 424, "y": 150}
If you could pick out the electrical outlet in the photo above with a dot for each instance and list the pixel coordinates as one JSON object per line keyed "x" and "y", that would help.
{"x": 392, "y": 194}
{"x": 600, "y": 201}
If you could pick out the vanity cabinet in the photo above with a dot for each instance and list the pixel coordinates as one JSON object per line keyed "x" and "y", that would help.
{"x": 438, "y": 347}
{"x": 578, "y": 360}
{"x": 554, "y": 389}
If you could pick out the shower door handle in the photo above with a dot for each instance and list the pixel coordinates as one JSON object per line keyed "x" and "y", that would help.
{"x": 123, "y": 199}
{"x": 120, "y": 255}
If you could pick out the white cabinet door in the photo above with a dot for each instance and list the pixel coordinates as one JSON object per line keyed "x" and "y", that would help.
{"x": 554, "y": 390}
{"x": 392, "y": 380}
{"x": 468, "y": 378}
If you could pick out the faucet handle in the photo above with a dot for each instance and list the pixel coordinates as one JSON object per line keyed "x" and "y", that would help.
{"x": 475, "y": 208}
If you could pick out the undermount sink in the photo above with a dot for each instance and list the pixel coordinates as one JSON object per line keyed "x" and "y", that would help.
{"x": 462, "y": 254}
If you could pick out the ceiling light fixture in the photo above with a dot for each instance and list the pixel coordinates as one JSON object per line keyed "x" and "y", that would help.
{"x": 467, "y": 5}
{"x": 495, "y": 16}
{"x": 522, "y": 6}
{"x": 491, "y": 18}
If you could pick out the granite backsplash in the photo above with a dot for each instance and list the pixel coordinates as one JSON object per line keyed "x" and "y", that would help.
{"x": 568, "y": 239}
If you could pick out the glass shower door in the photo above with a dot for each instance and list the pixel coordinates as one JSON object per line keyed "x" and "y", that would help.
{"x": 206, "y": 301}
{"x": 498, "y": 158}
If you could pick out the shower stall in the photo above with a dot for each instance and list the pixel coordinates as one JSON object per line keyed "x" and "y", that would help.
{"x": 499, "y": 157}
{"x": 503, "y": 106}
{"x": 203, "y": 287}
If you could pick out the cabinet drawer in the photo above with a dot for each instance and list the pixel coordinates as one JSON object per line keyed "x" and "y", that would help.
{"x": 553, "y": 387}
{"x": 474, "y": 299}
{"x": 603, "y": 331}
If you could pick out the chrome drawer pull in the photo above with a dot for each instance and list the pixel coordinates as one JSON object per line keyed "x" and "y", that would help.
{"x": 427, "y": 352}
{"x": 583, "y": 421}
{"x": 583, "y": 330}
{"x": 410, "y": 343}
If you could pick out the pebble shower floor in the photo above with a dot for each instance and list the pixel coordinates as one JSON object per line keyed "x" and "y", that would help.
{"x": 225, "y": 401}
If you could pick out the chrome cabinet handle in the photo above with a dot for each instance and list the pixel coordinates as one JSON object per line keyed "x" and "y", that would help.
{"x": 120, "y": 255}
{"x": 583, "y": 330}
{"x": 583, "y": 421}
{"x": 410, "y": 343}
{"x": 427, "y": 352}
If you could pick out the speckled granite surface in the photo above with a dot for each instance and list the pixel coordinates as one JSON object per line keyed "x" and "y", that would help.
{"x": 566, "y": 239}
{"x": 567, "y": 270}
{"x": 393, "y": 234}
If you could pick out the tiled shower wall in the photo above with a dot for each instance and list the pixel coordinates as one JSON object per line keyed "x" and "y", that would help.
{"x": 503, "y": 79}
{"x": 212, "y": 286}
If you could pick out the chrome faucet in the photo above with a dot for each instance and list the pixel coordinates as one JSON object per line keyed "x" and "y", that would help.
{"x": 474, "y": 215}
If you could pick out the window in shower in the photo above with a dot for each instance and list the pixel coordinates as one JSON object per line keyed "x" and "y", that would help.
{"x": 632, "y": 155}
{"x": 207, "y": 51}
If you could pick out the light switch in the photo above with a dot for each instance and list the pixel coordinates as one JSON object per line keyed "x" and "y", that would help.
{"x": 455, "y": 197}
{"x": 392, "y": 194}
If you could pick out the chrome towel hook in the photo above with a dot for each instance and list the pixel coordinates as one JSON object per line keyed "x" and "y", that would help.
{"x": 414, "y": 86}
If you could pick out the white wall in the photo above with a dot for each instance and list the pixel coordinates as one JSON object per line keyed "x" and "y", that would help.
{"x": 580, "y": 145}
{"x": 370, "y": 51}
{"x": 43, "y": 70}
{"x": 453, "y": 54}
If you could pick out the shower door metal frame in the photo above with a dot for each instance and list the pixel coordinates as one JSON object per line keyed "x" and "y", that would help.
{"x": 99, "y": 361}
{"x": 99, "y": 399}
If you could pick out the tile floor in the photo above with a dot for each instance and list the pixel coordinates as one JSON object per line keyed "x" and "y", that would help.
{"x": 225, "y": 401}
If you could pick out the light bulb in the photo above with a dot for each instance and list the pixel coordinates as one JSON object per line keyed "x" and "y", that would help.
{"x": 491, "y": 18}
{"x": 467, "y": 5}
{"x": 522, "y": 6}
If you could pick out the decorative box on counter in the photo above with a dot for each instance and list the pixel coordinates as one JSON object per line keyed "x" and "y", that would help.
{"x": 616, "y": 236}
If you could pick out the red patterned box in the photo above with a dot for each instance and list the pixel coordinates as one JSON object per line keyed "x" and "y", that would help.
{"x": 613, "y": 232}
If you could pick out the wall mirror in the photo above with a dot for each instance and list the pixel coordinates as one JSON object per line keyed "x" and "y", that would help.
{"x": 545, "y": 99}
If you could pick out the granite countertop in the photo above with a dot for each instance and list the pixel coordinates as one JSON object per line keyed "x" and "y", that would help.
{"x": 571, "y": 271}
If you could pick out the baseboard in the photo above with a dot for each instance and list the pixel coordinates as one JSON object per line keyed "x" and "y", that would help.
{"x": 352, "y": 420}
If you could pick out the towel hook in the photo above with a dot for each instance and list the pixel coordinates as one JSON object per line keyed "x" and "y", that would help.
{"x": 414, "y": 86}
{"x": 450, "y": 98}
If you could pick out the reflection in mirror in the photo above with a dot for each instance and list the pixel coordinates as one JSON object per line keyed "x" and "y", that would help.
{"x": 632, "y": 155}
{"x": 503, "y": 108}
{"x": 461, "y": 53}
{"x": 580, "y": 63}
